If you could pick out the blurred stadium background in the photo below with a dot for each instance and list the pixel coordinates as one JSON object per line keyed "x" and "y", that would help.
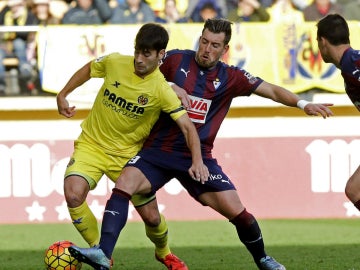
{"x": 285, "y": 164}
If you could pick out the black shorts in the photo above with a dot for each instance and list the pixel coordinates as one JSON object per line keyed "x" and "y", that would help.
{"x": 160, "y": 167}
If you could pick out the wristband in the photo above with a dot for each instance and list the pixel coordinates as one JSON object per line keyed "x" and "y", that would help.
{"x": 171, "y": 83}
{"x": 302, "y": 103}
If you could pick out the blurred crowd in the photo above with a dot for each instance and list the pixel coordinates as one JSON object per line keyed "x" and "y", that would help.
{"x": 18, "y": 48}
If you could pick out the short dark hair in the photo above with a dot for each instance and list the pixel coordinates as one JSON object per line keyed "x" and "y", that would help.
{"x": 334, "y": 28}
{"x": 219, "y": 26}
{"x": 151, "y": 36}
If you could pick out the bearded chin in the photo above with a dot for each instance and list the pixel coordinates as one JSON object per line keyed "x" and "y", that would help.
{"x": 204, "y": 64}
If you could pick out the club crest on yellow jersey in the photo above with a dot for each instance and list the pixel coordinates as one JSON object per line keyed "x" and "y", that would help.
{"x": 143, "y": 99}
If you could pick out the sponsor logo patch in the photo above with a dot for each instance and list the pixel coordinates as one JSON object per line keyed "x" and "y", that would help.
{"x": 199, "y": 108}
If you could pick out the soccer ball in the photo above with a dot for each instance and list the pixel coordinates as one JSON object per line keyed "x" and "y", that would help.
{"x": 58, "y": 257}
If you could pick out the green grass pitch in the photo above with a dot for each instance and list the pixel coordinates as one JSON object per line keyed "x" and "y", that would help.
{"x": 320, "y": 244}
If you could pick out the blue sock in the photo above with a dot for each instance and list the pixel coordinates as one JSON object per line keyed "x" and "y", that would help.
{"x": 114, "y": 220}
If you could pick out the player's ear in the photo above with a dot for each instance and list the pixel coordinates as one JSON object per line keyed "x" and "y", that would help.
{"x": 161, "y": 54}
{"x": 226, "y": 49}
{"x": 321, "y": 40}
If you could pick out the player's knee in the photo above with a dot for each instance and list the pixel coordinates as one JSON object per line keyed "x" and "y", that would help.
{"x": 152, "y": 221}
{"x": 350, "y": 189}
{"x": 74, "y": 196}
{"x": 73, "y": 199}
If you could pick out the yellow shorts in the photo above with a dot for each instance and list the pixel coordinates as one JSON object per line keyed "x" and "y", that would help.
{"x": 91, "y": 162}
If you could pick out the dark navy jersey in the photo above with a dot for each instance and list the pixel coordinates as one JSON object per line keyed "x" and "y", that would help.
{"x": 350, "y": 70}
{"x": 211, "y": 92}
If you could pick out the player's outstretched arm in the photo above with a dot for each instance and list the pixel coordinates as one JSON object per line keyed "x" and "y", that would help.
{"x": 79, "y": 78}
{"x": 284, "y": 96}
{"x": 198, "y": 171}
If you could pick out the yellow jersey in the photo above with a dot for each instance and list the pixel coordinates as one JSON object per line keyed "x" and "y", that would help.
{"x": 126, "y": 106}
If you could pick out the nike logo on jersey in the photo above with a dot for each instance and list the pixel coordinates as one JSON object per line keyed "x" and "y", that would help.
{"x": 114, "y": 213}
{"x": 185, "y": 72}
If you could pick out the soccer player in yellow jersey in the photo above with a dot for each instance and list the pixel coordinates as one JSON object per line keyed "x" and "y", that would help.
{"x": 128, "y": 104}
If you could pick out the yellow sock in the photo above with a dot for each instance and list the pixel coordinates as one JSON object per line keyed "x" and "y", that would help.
{"x": 86, "y": 223}
{"x": 159, "y": 236}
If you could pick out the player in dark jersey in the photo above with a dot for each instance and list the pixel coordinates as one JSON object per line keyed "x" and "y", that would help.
{"x": 210, "y": 87}
{"x": 333, "y": 37}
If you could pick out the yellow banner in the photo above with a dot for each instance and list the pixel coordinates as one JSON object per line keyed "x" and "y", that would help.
{"x": 282, "y": 54}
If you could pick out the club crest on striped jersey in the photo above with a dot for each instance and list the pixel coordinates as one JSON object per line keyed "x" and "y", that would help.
{"x": 199, "y": 108}
{"x": 216, "y": 83}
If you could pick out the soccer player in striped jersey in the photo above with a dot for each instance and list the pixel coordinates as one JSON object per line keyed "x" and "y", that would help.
{"x": 208, "y": 88}
{"x": 333, "y": 37}
{"x": 129, "y": 102}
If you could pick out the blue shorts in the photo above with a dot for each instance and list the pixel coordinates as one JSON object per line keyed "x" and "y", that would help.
{"x": 160, "y": 167}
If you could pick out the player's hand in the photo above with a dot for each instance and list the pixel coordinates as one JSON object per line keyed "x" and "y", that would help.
{"x": 63, "y": 107}
{"x": 199, "y": 172}
{"x": 182, "y": 95}
{"x": 319, "y": 108}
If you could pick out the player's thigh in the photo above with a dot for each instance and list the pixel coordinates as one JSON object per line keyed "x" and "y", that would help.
{"x": 355, "y": 178}
{"x": 353, "y": 186}
{"x": 219, "y": 192}
{"x": 226, "y": 202}
{"x": 151, "y": 174}
{"x": 133, "y": 181}
{"x": 88, "y": 162}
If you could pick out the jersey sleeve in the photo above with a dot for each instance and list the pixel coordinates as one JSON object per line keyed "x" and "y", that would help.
{"x": 242, "y": 81}
{"x": 168, "y": 64}
{"x": 98, "y": 65}
{"x": 170, "y": 103}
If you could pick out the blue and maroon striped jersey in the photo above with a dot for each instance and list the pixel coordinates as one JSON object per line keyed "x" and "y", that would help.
{"x": 211, "y": 92}
{"x": 350, "y": 71}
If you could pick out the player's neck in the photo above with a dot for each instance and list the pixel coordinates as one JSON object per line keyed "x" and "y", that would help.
{"x": 339, "y": 52}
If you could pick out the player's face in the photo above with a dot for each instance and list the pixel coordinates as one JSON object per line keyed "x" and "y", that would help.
{"x": 211, "y": 49}
{"x": 146, "y": 61}
{"x": 323, "y": 49}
